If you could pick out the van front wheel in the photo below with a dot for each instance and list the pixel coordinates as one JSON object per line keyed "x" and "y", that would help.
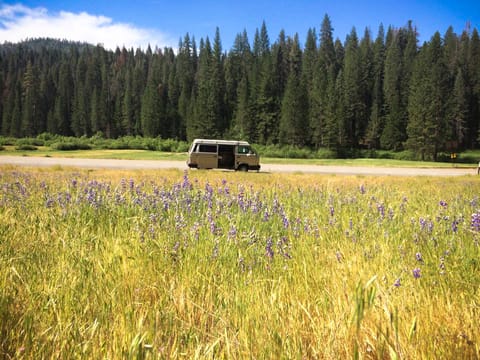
{"x": 243, "y": 168}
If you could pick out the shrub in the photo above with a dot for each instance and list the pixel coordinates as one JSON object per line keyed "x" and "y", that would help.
{"x": 68, "y": 146}
{"x": 30, "y": 141}
{"x": 26, "y": 147}
{"x": 7, "y": 141}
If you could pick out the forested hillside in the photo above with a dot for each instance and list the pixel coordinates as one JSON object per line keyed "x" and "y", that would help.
{"x": 383, "y": 91}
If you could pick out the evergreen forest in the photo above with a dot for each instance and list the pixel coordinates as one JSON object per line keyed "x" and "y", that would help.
{"x": 383, "y": 91}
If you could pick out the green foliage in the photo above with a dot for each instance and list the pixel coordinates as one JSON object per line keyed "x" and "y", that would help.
{"x": 327, "y": 94}
{"x": 73, "y": 145}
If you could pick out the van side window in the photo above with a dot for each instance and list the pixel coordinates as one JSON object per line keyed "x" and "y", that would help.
{"x": 242, "y": 149}
{"x": 207, "y": 148}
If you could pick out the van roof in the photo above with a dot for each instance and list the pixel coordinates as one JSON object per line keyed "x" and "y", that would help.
{"x": 220, "y": 142}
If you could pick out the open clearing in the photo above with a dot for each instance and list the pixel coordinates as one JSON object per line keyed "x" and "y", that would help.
{"x": 266, "y": 168}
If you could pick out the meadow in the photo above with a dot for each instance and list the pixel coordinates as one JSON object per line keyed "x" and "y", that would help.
{"x": 170, "y": 264}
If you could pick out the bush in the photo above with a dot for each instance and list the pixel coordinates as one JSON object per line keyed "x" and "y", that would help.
{"x": 2, "y": 148}
{"x": 68, "y": 146}
{"x": 30, "y": 141}
{"x": 26, "y": 147}
{"x": 7, "y": 141}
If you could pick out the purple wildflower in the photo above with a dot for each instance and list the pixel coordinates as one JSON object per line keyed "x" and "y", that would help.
{"x": 419, "y": 257}
{"x": 269, "y": 248}
{"x": 362, "y": 189}
{"x": 397, "y": 283}
{"x": 416, "y": 273}
{"x": 475, "y": 221}
{"x": 455, "y": 226}
{"x": 381, "y": 210}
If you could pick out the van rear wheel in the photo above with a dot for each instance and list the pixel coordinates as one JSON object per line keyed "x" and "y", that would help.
{"x": 243, "y": 168}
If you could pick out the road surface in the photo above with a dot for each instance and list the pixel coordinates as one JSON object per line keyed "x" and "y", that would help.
{"x": 266, "y": 168}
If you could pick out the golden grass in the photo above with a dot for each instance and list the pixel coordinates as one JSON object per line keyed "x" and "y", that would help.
{"x": 152, "y": 264}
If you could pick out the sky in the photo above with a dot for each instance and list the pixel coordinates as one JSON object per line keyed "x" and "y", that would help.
{"x": 160, "y": 23}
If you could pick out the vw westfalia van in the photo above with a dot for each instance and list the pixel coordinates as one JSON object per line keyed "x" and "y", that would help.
{"x": 222, "y": 154}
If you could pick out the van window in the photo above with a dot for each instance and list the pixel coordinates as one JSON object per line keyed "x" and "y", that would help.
{"x": 242, "y": 149}
{"x": 207, "y": 148}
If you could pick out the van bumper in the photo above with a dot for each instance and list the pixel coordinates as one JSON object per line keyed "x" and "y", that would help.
{"x": 254, "y": 167}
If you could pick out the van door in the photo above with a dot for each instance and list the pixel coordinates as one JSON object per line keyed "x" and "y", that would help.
{"x": 207, "y": 156}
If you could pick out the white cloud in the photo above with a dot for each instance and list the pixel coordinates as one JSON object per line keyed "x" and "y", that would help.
{"x": 19, "y": 22}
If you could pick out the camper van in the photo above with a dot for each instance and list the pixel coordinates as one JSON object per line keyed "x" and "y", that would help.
{"x": 222, "y": 154}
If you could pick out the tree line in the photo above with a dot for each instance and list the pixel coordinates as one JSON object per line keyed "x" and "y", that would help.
{"x": 384, "y": 92}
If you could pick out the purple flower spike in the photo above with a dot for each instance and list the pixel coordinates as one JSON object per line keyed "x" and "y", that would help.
{"x": 416, "y": 273}
{"x": 419, "y": 257}
{"x": 397, "y": 283}
{"x": 475, "y": 222}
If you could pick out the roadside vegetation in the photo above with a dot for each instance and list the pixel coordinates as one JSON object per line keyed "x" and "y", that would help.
{"x": 166, "y": 264}
{"x": 139, "y": 148}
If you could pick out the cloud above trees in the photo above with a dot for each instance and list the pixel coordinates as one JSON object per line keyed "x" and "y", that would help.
{"x": 19, "y": 22}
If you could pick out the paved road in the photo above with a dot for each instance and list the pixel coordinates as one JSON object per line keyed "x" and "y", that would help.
{"x": 266, "y": 168}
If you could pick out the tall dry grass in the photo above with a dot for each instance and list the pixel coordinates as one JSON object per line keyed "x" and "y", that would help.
{"x": 162, "y": 264}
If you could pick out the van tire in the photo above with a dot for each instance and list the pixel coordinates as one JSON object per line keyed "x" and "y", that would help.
{"x": 243, "y": 167}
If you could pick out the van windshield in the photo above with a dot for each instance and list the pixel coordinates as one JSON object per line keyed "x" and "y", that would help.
{"x": 243, "y": 149}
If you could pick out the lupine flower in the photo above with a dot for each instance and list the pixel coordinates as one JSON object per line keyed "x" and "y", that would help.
{"x": 362, "y": 189}
{"x": 443, "y": 204}
{"x": 397, "y": 283}
{"x": 475, "y": 221}
{"x": 455, "y": 226}
{"x": 381, "y": 210}
{"x": 269, "y": 248}
{"x": 419, "y": 257}
{"x": 232, "y": 232}
{"x": 416, "y": 273}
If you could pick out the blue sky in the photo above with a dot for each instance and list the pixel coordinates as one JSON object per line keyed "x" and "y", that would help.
{"x": 134, "y": 23}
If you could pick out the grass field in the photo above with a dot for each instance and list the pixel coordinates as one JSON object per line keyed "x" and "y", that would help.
{"x": 132, "y": 154}
{"x": 166, "y": 264}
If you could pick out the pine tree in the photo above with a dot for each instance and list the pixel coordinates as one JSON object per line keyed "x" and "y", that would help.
{"x": 203, "y": 123}
{"x": 473, "y": 123}
{"x": 458, "y": 114}
{"x": 267, "y": 105}
{"x": 80, "y": 105}
{"x": 427, "y": 124}
{"x": 354, "y": 104}
{"x": 217, "y": 86}
{"x": 294, "y": 118}
{"x": 31, "y": 102}
{"x": 321, "y": 116}
{"x": 153, "y": 108}
{"x": 309, "y": 73}
{"x": 393, "y": 133}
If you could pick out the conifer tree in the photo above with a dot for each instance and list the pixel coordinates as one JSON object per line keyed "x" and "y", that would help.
{"x": 393, "y": 133}
{"x": 354, "y": 104}
{"x": 427, "y": 124}
{"x": 31, "y": 103}
{"x": 322, "y": 117}
{"x": 375, "y": 124}
{"x": 294, "y": 118}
